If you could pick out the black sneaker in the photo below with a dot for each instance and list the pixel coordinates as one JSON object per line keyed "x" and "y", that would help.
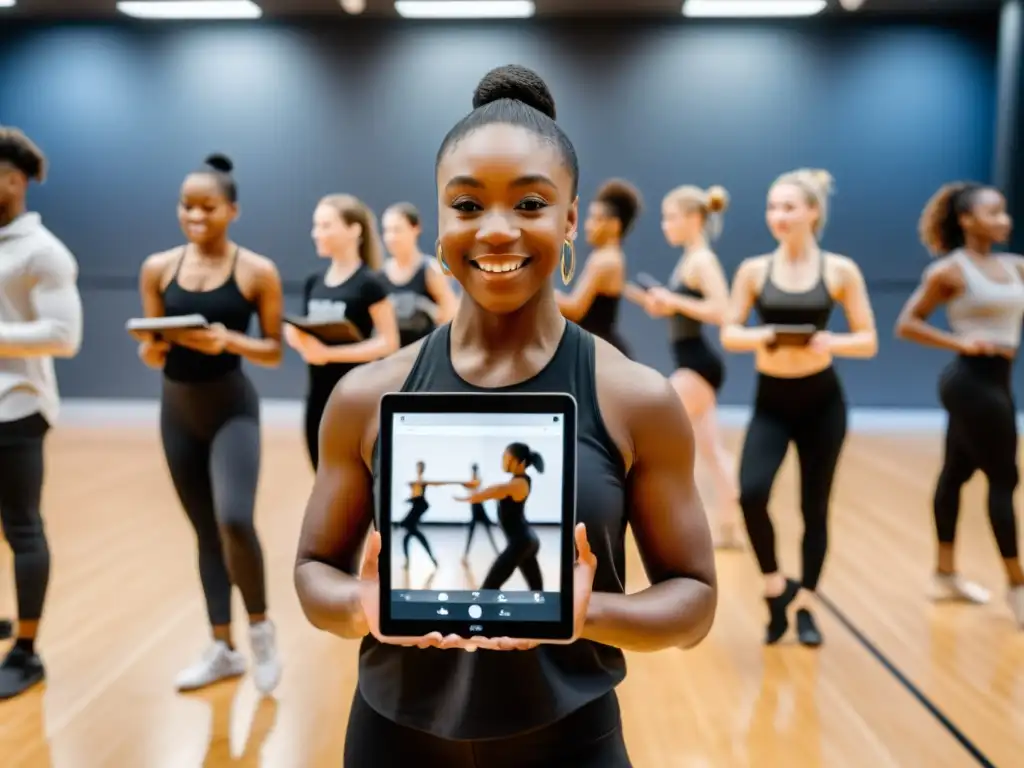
{"x": 6, "y": 629}
{"x": 19, "y": 671}
{"x": 778, "y": 622}
{"x": 807, "y": 631}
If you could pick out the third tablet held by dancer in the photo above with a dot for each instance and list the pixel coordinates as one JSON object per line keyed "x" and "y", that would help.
{"x": 348, "y": 291}
{"x": 983, "y": 293}
{"x": 799, "y": 397}
{"x": 40, "y": 319}
{"x": 210, "y": 411}
{"x": 507, "y": 180}
{"x": 420, "y": 291}
{"x": 698, "y": 293}
{"x": 523, "y": 544}
{"x": 593, "y": 303}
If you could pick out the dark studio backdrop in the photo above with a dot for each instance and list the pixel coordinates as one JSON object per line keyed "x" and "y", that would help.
{"x": 892, "y": 108}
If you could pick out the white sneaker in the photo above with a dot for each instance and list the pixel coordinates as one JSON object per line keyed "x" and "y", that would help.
{"x": 1015, "y": 597}
{"x": 267, "y": 671}
{"x": 953, "y": 586}
{"x": 218, "y": 662}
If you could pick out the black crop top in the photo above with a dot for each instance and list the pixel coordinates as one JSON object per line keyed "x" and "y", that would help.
{"x": 413, "y": 322}
{"x": 682, "y": 327}
{"x": 512, "y": 513}
{"x": 811, "y": 307}
{"x": 351, "y": 299}
{"x": 601, "y": 316}
{"x": 226, "y": 305}
{"x": 458, "y": 695}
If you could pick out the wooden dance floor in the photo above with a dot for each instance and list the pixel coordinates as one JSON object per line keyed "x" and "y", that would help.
{"x": 899, "y": 682}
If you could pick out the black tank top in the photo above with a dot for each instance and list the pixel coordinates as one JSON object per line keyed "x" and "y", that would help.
{"x": 600, "y": 318}
{"x": 489, "y": 694}
{"x": 682, "y": 327}
{"x": 811, "y": 307}
{"x": 512, "y": 513}
{"x": 351, "y": 299}
{"x": 226, "y": 305}
{"x": 413, "y": 322}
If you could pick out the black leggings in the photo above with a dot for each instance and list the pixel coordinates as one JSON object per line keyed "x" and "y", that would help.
{"x": 412, "y": 530}
{"x": 981, "y": 435}
{"x": 810, "y": 412}
{"x": 480, "y": 518}
{"x": 21, "y": 487}
{"x": 211, "y": 437}
{"x": 520, "y": 552}
{"x": 590, "y": 737}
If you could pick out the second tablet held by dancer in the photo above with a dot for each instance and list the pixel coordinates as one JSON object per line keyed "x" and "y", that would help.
{"x": 526, "y": 445}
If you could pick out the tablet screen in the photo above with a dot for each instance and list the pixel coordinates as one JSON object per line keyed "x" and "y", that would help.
{"x": 477, "y": 516}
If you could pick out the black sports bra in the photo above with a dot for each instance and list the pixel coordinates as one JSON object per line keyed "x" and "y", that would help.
{"x": 811, "y": 307}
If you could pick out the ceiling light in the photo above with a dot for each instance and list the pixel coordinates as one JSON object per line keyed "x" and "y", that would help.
{"x": 465, "y": 9}
{"x": 190, "y": 9}
{"x": 752, "y": 8}
{"x": 8, "y": 3}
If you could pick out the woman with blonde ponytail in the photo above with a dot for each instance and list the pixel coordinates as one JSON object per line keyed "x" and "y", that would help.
{"x": 799, "y": 396}
{"x": 698, "y": 293}
{"x": 344, "y": 231}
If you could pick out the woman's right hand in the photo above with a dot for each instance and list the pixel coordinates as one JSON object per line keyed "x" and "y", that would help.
{"x": 369, "y": 599}
{"x": 153, "y": 352}
{"x": 979, "y": 347}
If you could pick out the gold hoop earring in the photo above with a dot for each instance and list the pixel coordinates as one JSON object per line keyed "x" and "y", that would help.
{"x": 568, "y": 272}
{"x": 440, "y": 259}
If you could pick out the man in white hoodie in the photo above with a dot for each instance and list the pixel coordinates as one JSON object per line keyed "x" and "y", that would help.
{"x": 40, "y": 318}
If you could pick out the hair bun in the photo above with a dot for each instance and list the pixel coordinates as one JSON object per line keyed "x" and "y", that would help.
{"x": 718, "y": 199}
{"x": 220, "y": 162}
{"x": 518, "y": 84}
{"x": 823, "y": 179}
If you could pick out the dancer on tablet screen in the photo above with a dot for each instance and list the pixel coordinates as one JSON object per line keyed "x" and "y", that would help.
{"x": 479, "y": 517}
{"x": 419, "y": 506}
{"x": 523, "y": 544}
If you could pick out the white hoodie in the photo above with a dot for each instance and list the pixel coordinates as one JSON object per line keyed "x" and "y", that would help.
{"x": 40, "y": 317}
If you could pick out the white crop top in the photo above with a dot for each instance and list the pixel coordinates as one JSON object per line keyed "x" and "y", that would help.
{"x": 988, "y": 310}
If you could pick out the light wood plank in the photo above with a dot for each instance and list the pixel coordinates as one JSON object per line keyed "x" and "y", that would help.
{"x": 125, "y": 613}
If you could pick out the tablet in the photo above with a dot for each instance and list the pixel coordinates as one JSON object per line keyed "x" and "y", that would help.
{"x": 144, "y": 327}
{"x": 647, "y": 282}
{"x": 430, "y": 442}
{"x": 329, "y": 330}
{"x": 793, "y": 335}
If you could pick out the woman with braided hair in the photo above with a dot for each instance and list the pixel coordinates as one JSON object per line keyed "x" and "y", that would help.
{"x": 983, "y": 293}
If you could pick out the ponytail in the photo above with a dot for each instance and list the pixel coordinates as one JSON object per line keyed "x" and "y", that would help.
{"x": 521, "y": 452}
{"x": 536, "y": 461}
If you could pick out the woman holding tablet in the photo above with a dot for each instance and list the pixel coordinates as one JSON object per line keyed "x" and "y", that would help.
{"x": 594, "y": 301}
{"x": 507, "y": 177}
{"x": 344, "y": 231}
{"x": 698, "y": 293}
{"x": 209, "y": 410}
{"x": 984, "y": 297}
{"x": 420, "y": 291}
{"x": 799, "y": 397}
{"x": 523, "y": 544}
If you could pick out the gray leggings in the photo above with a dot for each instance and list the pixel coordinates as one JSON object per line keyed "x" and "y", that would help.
{"x": 211, "y": 437}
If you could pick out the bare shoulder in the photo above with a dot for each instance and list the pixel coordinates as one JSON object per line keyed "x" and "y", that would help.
{"x": 356, "y": 397}
{"x": 943, "y": 271}
{"x": 631, "y": 397}
{"x": 260, "y": 266}
{"x": 157, "y": 265}
{"x": 754, "y": 266}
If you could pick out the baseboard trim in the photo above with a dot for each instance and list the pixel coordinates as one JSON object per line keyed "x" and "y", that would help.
{"x": 89, "y": 412}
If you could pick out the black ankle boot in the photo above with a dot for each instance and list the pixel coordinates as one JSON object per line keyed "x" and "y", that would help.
{"x": 778, "y": 622}
{"x": 807, "y": 630}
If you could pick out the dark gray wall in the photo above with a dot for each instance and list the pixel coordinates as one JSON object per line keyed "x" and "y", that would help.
{"x": 892, "y": 109}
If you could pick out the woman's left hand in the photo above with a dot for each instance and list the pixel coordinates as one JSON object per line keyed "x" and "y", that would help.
{"x": 821, "y": 342}
{"x": 583, "y": 586}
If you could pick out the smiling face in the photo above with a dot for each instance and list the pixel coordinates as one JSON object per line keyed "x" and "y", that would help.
{"x": 601, "y": 226}
{"x": 331, "y": 234}
{"x": 790, "y": 215}
{"x": 505, "y": 208}
{"x": 204, "y": 212}
{"x": 987, "y": 218}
